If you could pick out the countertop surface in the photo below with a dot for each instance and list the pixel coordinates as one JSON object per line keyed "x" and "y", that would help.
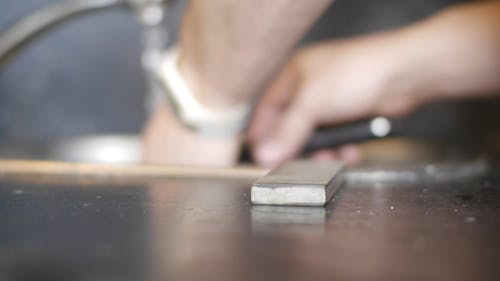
{"x": 200, "y": 229}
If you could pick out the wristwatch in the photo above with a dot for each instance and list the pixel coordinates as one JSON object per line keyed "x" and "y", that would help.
{"x": 186, "y": 107}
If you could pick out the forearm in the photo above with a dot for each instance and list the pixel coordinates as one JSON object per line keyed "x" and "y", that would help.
{"x": 229, "y": 49}
{"x": 451, "y": 55}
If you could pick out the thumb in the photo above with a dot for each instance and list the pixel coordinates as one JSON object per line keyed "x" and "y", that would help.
{"x": 288, "y": 136}
{"x": 270, "y": 106}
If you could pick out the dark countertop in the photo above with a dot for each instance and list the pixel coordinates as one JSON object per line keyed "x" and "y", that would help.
{"x": 188, "y": 229}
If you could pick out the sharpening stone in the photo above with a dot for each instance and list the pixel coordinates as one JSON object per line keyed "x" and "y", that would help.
{"x": 302, "y": 183}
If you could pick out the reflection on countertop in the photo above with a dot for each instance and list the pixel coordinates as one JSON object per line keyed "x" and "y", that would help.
{"x": 192, "y": 229}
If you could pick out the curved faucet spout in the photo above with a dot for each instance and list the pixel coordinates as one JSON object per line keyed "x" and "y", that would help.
{"x": 28, "y": 28}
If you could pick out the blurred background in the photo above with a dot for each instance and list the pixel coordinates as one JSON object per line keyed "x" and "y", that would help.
{"x": 85, "y": 79}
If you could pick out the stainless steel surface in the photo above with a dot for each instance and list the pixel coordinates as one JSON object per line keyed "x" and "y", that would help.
{"x": 208, "y": 230}
{"x": 435, "y": 172}
{"x": 110, "y": 149}
{"x": 305, "y": 183}
{"x": 150, "y": 14}
{"x": 102, "y": 148}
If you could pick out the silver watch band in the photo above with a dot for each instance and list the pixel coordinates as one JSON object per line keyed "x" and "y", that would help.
{"x": 205, "y": 120}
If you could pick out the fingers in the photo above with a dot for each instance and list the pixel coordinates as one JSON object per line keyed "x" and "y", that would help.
{"x": 350, "y": 154}
{"x": 325, "y": 155}
{"x": 287, "y": 137}
{"x": 281, "y": 123}
{"x": 272, "y": 103}
{"x": 320, "y": 85}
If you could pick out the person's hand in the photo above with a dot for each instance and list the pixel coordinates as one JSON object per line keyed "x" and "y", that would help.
{"x": 167, "y": 141}
{"x": 221, "y": 45}
{"x": 324, "y": 85}
{"x": 452, "y": 54}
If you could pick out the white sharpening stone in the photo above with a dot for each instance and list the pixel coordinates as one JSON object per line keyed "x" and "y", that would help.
{"x": 302, "y": 183}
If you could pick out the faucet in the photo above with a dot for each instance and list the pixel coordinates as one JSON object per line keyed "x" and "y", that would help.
{"x": 150, "y": 14}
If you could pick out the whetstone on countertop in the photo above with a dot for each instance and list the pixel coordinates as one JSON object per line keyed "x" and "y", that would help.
{"x": 303, "y": 183}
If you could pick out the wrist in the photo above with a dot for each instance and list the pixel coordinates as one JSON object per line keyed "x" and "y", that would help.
{"x": 407, "y": 79}
{"x": 167, "y": 141}
{"x": 185, "y": 103}
{"x": 209, "y": 90}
